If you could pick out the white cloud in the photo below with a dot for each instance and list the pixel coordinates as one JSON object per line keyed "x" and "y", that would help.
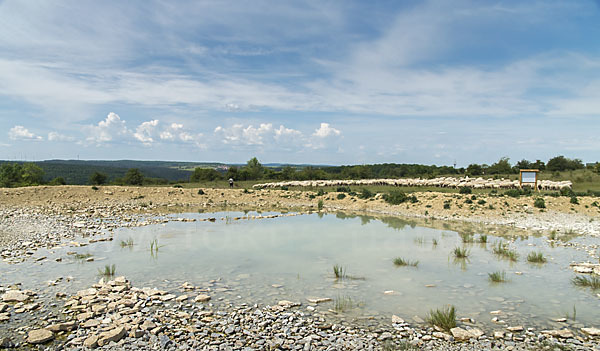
{"x": 326, "y": 130}
{"x": 145, "y": 131}
{"x": 250, "y": 135}
{"x": 110, "y": 129}
{"x": 54, "y": 136}
{"x": 22, "y": 133}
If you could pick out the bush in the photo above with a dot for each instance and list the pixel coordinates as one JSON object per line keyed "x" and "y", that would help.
{"x": 343, "y": 189}
{"x": 320, "y": 205}
{"x": 539, "y": 203}
{"x": 285, "y": 188}
{"x": 365, "y": 194}
{"x": 341, "y": 196}
{"x": 566, "y": 192}
{"x": 133, "y": 177}
{"x": 179, "y": 186}
{"x": 58, "y": 181}
{"x": 396, "y": 197}
{"x": 320, "y": 192}
{"x": 204, "y": 174}
{"x": 465, "y": 190}
{"x": 481, "y": 202}
{"x": 201, "y": 192}
{"x": 98, "y": 178}
{"x": 574, "y": 200}
{"x": 446, "y": 205}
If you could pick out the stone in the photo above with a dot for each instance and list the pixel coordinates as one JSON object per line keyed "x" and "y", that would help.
{"x": 14, "y": 296}
{"x": 498, "y": 335}
{"x": 136, "y": 333}
{"x": 115, "y": 335}
{"x": 181, "y": 298}
{"x": 66, "y": 326}
{"x": 91, "y": 342}
{"x": 397, "y": 320}
{"x": 591, "y": 331}
{"x": 319, "y": 299}
{"x": 441, "y": 335}
{"x": 202, "y": 298}
{"x": 286, "y": 303}
{"x": 562, "y": 333}
{"x": 476, "y": 332}
{"x": 39, "y": 336}
{"x": 3, "y": 307}
{"x": 90, "y": 323}
{"x": 148, "y": 325}
{"x": 460, "y": 334}
{"x": 518, "y": 328}
{"x": 6, "y": 343}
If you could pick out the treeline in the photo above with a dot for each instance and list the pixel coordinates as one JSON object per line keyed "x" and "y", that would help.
{"x": 26, "y": 174}
{"x": 254, "y": 170}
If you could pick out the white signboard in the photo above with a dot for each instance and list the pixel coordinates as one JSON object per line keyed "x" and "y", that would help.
{"x": 528, "y": 177}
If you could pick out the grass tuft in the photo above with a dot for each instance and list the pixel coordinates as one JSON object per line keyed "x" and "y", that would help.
{"x": 536, "y": 257}
{"x": 399, "y": 261}
{"x": 444, "y": 318}
{"x": 109, "y": 271}
{"x": 344, "y": 303}
{"x": 482, "y": 239}
{"x": 127, "y": 243}
{"x": 591, "y": 282}
{"x": 339, "y": 271}
{"x": 501, "y": 249}
{"x": 497, "y": 277}
{"x": 460, "y": 252}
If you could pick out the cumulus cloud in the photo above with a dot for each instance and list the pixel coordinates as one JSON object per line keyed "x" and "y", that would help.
{"x": 145, "y": 131}
{"x": 54, "y": 136}
{"x": 22, "y": 133}
{"x": 326, "y": 130}
{"x": 110, "y": 129}
{"x": 263, "y": 135}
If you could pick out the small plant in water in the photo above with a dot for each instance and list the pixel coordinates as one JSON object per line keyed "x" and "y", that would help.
{"x": 536, "y": 257}
{"x": 80, "y": 256}
{"x": 591, "y": 282}
{"x": 339, "y": 271}
{"x": 109, "y": 271}
{"x": 444, "y": 318}
{"x": 482, "y": 239}
{"x": 460, "y": 252}
{"x": 466, "y": 238}
{"x": 343, "y": 303}
{"x": 420, "y": 240}
{"x": 501, "y": 249}
{"x": 434, "y": 242}
{"x": 497, "y": 277}
{"x": 127, "y": 243}
{"x": 399, "y": 261}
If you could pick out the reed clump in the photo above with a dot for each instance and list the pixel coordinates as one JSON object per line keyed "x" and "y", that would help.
{"x": 444, "y": 318}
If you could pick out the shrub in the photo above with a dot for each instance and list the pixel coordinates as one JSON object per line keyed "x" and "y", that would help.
{"x": 98, "y": 178}
{"x": 95, "y": 188}
{"x": 396, "y": 197}
{"x": 365, "y": 194}
{"x": 574, "y": 200}
{"x": 341, "y": 196}
{"x": 133, "y": 177}
{"x": 539, "y": 203}
{"x": 465, "y": 190}
{"x": 58, "y": 181}
{"x": 444, "y": 318}
{"x": 446, "y": 205}
{"x": 481, "y": 202}
{"x": 201, "y": 192}
{"x": 567, "y": 192}
{"x": 320, "y": 205}
{"x": 468, "y": 201}
{"x": 178, "y": 186}
{"x": 343, "y": 189}
{"x": 285, "y": 188}
{"x": 320, "y": 192}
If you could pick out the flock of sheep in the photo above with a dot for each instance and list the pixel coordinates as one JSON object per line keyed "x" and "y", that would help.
{"x": 443, "y": 182}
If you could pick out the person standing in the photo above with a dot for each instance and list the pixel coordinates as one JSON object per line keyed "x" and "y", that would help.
{"x": 231, "y": 182}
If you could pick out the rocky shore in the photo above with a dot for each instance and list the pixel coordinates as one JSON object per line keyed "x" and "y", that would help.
{"x": 114, "y": 314}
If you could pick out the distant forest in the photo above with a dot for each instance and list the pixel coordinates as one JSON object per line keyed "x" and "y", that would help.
{"x": 57, "y": 172}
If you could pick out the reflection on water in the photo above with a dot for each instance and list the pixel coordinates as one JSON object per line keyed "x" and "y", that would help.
{"x": 263, "y": 261}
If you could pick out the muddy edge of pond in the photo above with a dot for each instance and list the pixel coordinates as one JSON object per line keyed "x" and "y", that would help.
{"x": 51, "y": 216}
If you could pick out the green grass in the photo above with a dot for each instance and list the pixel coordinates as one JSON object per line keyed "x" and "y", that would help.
{"x": 482, "y": 239}
{"x": 460, "y": 252}
{"x": 434, "y": 242}
{"x": 320, "y": 205}
{"x": 497, "y": 277}
{"x": 467, "y": 238}
{"x": 591, "y": 282}
{"x": 339, "y": 271}
{"x": 444, "y": 318}
{"x": 82, "y": 256}
{"x": 502, "y": 250}
{"x": 127, "y": 243}
{"x": 399, "y": 261}
{"x": 403, "y": 345}
{"x": 343, "y": 303}
{"x": 109, "y": 271}
{"x": 536, "y": 257}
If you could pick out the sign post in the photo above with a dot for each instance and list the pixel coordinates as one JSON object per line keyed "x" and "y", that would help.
{"x": 528, "y": 177}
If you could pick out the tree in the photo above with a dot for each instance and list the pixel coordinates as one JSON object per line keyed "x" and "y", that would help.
{"x": 253, "y": 169}
{"x": 10, "y": 175}
{"x": 561, "y": 163}
{"x": 500, "y": 167}
{"x": 98, "y": 178}
{"x": 58, "y": 181}
{"x": 538, "y": 164}
{"x": 133, "y": 177}
{"x": 204, "y": 174}
{"x": 474, "y": 169}
{"x": 523, "y": 164}
{"x": 232, "y": 172}
{"x": 288, "y": 173}
{"x": 32, "y": 174}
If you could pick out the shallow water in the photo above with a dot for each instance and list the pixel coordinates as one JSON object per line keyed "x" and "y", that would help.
{"x": 299, "y": 252}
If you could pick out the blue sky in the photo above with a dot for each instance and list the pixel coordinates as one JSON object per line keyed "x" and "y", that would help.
{"x": 335, "y": 82}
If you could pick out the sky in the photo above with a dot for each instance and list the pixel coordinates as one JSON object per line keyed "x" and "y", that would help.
{"x": 320, "y": 82}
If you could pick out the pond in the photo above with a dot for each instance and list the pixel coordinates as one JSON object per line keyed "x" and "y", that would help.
{"x": 292, "y": 258}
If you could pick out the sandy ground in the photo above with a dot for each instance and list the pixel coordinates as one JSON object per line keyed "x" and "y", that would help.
{"x": 559, "y": 215}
